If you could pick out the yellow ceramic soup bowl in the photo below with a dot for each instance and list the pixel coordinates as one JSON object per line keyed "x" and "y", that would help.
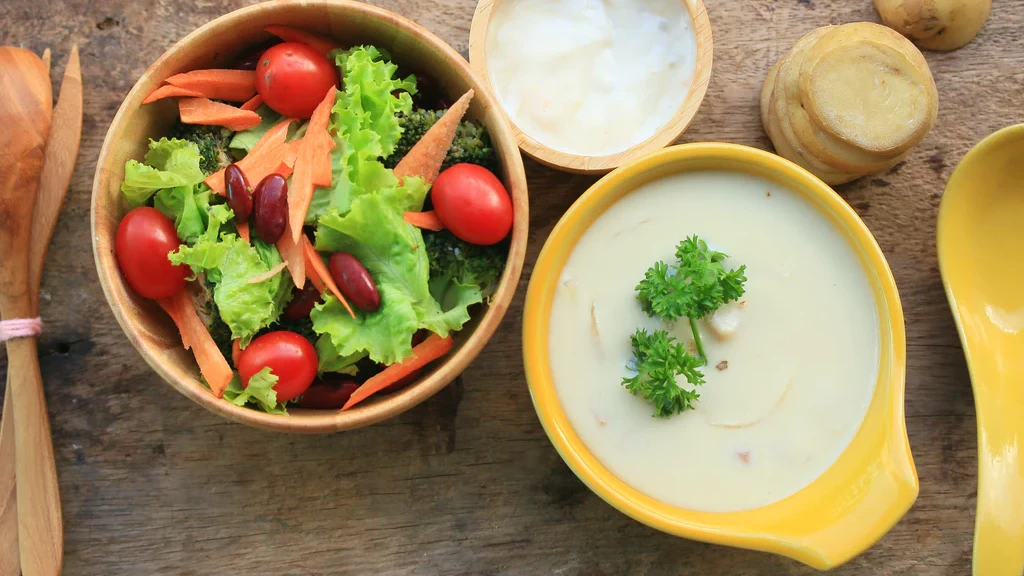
{"x": 841, "y": 513}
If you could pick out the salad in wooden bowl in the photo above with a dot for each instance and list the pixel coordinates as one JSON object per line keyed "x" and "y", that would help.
{"x": 309, "y": 218}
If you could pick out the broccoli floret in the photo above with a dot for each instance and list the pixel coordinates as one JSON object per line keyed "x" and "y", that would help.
{"x": 206, "y": 309}
{"x": 463, "y": 262}
{"x": 472, "y": 142}
{"x": 212, "y": 141}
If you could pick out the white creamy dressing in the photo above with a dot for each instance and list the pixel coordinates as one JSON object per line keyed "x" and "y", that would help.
{"x": 801, "y": 365}
{"x": 591, "y": 77}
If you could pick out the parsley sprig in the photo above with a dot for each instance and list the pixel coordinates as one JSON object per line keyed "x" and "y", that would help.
{"x": 695, "y": 286}
{"x": 658, "y": 358}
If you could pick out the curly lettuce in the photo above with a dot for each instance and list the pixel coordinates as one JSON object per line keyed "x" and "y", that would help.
{"x": 393, "y": 251}
{"x": 188, "y": 207}
{"x": 259, "y": 392}
{"x": 229, "y": 262}
{"x": 169, "y": 163}
{"x": 365, "y": 125}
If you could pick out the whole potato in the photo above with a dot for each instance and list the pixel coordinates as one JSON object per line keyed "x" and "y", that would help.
{"x": 935, "y": 24}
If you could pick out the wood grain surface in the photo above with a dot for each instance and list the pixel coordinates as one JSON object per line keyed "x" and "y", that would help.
{"x": 467, "y": 483}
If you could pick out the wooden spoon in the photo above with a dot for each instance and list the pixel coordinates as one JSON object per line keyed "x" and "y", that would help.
{"x": 981, "y": 257}
{"x": 26, "y": 108}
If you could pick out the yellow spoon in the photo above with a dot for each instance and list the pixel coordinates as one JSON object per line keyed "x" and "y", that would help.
{"x": 981, "y": 257}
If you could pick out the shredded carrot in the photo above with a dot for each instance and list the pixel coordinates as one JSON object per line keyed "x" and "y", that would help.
{"x": 243, "y": 231}
{"x": 169, "y": 91}
{"x": 320, "y": 276}
{"x": 422, "y": 354}
{"x": 274, "y": 271}
{"x": 252, "y": 103}
{"x": 318, "y": 43}
{"x": 426, "y": 156}
{"x": 293, "y": 256}
{"x": 313, "y": 159}
{"x": 268, "y": 156}
{"x": 230, "y": 85}
{"x": 236, "y": 351}
{"x": 212, "y": 364}
{"x": 209, "y": 113}
{"x": 427, "y": 220}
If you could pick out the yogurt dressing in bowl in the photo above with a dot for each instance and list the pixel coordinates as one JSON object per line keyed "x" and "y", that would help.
{"x": 784, "y": 394}
{"x": 591, "y": 77}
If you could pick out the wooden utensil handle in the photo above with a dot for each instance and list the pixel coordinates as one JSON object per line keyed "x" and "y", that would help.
{"x": 40, "y": 529}
{"x": 10, "y": 565}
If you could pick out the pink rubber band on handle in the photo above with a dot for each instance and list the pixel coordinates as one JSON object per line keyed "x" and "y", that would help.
{"x": 20, "y": 328}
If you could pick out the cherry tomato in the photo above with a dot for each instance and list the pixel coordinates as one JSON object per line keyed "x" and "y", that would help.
{"x": 293, "y": 78}
{"x": 326, "y": 395}
{"x": 288, "y": 355}
{"x": 144, "y": 238}
{"x": 473, "y": 204}
{"x": 302, "y": 303}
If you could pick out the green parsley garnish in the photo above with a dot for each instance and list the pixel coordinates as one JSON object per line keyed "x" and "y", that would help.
{"x": 658, "y": 359}
{"x": 694, "y": 287}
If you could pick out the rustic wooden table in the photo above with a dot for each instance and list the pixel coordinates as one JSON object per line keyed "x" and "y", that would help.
{"x": 467, "y": 483}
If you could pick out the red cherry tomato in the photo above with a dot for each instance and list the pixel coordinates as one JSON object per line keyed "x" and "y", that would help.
{"x": 326, "y": 395}
{"x": 288, "y": 355}
{"x": 144, "y": 238}
{"x": 473, "y": 204}
{"x": 293, "y": 78}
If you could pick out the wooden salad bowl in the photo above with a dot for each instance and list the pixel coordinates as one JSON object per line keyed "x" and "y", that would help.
{"x": 584, "y": 164}
{"x": 218, "y": 44}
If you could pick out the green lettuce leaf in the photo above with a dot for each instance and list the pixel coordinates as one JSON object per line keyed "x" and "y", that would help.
{"x": 375, "y": 232}
{"x": 188, "y": 207}
{"x": 244, "y": 140}
{"x": 260, "y": 392}
{"x": 332, "y": 361}
{"x": 365, "y": 127}
{"x": 229, "y": 262}
{"x": 170, "y": 163}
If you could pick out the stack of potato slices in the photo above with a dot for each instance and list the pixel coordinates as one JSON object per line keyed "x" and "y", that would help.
{"x": 849, "y": 100}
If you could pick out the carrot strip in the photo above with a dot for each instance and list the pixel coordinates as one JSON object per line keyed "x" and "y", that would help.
{"x": 230, "y": 85}
{"x": 236, "y": 351}
{"x": 318, "y": 43}
{"x": 313, "y": 159}
{"x": 422, "y": 354}
{"x": 209, "y": 113}
{"x": 426, "y": 156}
{"x": 316, "y": 269}
{"x": 252, "y": 103}
{"x": 427, "y": 220}
{"x": 212, "y": 364}
{"x": 268, "y": 156}
{"x": 268, "y": 274}
{"x": 169, "y": 91}
{"x": 243, "y": 231}
{"x": 294, "y": 256}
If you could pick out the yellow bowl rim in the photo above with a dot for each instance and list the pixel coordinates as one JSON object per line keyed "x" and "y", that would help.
{"x": 874, "y": 477}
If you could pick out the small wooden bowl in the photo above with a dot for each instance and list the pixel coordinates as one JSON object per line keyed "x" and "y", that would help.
{"x": 217, "y": 44}
{"x": 579, "y": 163}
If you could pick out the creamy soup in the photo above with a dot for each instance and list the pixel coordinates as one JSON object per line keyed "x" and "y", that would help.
{"x": 784, "y": 393}
{"x": 591, "y": 76}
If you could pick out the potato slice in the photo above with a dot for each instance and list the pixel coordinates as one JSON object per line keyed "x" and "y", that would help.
{"x": 935, "y": 24}
{"x": 863, "y": 85}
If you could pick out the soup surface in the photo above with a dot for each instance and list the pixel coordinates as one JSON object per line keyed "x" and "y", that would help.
{"x": 784, "y": 395}
{"x": 591, "y": 77}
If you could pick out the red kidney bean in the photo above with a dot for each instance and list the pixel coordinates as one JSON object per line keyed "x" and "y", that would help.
{"x": 302, "y": 303}
{"x": 354, "y": 281}
{"x": 327, "y": 395}
{"x": 239, "y": 196}
{"x": 270, "y": 208}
